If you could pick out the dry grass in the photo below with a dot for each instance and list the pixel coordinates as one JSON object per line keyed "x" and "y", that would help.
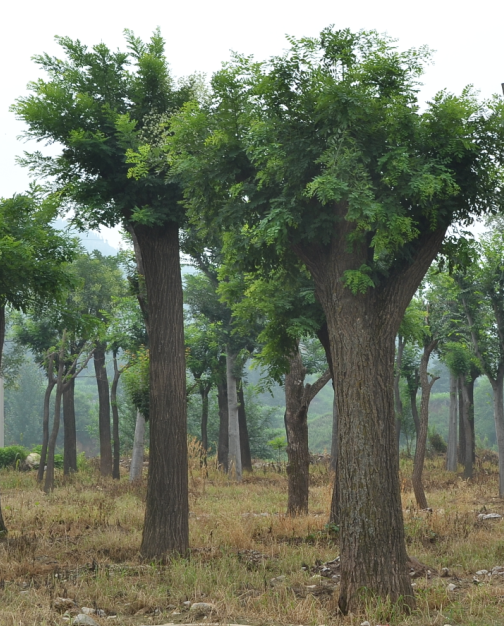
{"x": 81, "y": 542}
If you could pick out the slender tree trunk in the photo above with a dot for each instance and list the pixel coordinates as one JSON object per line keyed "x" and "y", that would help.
{"x": 223, "y": 448}
{"x": 470, "y": 393}
{"x": 49, "y": 478}
{"x": 334, "y": 437}
{"x": 115, "y": 421}
{"x": 69, "y": 429}
{"x": 103, "y": 411}
{"x": 421, "y": 445}
{"x": 462, "y": 431}
{"x": 465, "y": 410}
{"x": 137, "y": 455}
{"x": 204, "y": 391}
{"x": 3, "y": 527}
{"x": 413, "y": 403}
{"x": 166, "y": 526}
{"x": 234, "y": 454}
{"x": 296, "y": 428}
{"x": 246, "y": 457}
{"x": 51, "y": 381}
{"x": 451, "y": 456}
{"x": 498, "y": 402}
{"x": 401, "y": 342}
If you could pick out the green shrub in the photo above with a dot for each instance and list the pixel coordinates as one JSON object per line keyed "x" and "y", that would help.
{"x": 10, "y": 456}
{"x": 437, "y": 443}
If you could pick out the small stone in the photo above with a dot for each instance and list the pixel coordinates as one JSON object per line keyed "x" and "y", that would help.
{"x": 187, "y": 603}
{"x": 365, "y": 624}
{"x": 279, "y": 580}
{"x": 451, "y": 587}
{"x": 482, "y": 572}
{"x": 63, "y": 604}
{"x": 445, "y": 572}
{"x": 202, "y": 607}
{"x": 84, "y": 620}
{"x": 413, "y": 584}
{"x": 482, "y": 516}
{"x": 87, "y": 611}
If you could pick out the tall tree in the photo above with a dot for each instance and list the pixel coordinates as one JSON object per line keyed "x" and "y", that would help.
{"x": 324, "y": 152}
{"x": 96, "y": 103}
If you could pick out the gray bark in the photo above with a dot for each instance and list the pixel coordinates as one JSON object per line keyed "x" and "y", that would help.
{"x": 234, "y": 454}
{"x": 137, "y": 456}
{"x": 498, "y": 402}
{"x": 451, "y": 456}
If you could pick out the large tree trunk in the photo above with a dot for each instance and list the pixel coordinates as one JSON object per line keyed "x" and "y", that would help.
{"x": 451, "y": 455}
{"x": 223, "y": 447}
{"x": 465, "y": 410}
{"x": 401, "y": 342}
{"x": 462, "y": 431}
{"x": 69, "y": 429}
{"x": 51, "y": 381}
{"x": 166, "y": 526}
{"x": 334, "y": 436}
{"x": 246, "y": 457}
{"x": 115, "y": 420}
{"x": 362, "y": 329}
{"x": 103, "y": 411}
{"x": 137, "y": 455}
{"x": 421, "y": 444}
{"x": 234, "y": 454}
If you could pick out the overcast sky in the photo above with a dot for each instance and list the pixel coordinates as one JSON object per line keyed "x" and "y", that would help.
{"x": 468, "y": 39}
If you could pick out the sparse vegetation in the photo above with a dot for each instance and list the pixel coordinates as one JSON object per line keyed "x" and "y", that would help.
{"x": 253, "y": 563}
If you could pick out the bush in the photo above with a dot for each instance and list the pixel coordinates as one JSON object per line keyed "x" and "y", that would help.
{"x": 10, "y": 456}
{"x": 437, "y": 443}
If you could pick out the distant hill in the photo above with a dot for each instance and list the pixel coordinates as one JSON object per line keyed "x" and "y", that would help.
{"x": 91, "y": 240}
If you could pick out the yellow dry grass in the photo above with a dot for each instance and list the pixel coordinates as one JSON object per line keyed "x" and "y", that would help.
{"x": 81, "y": 542}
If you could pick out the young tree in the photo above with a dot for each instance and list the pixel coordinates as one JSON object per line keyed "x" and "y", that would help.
{"x": 97, "y": 103}
{"x": 324, "y": 152}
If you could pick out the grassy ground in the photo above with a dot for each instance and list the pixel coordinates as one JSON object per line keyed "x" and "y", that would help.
{"x": 253, "y": 563}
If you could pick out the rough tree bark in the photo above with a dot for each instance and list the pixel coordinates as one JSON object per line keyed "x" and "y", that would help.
{"x": 115, "y": 419}
{"x": 297, "y": 401}
{"x": 137, "y": 455}
{"x": 223, "y": 447}
{"x": 234, "y": 453}
{"x": 334, "y": 435}
{"x": 451, "y": 455}
{"x": 51, "y": 382}
{"x": 421, "y": 445}
{"x": 246, "y": 457}
{"x": 401, "y": 342}
{"x": 461, "y": 429}
{"x": 362, "y": 330}
{"x": 3, "y": 527}
{"x": 204, "y": 390}
{"x": 103, "y": 410}
{"x": 166, "y": 525}
{"x": 69, "y": 428}
{"x": 465, "y": 413}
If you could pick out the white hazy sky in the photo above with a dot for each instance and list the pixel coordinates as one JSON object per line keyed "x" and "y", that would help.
{"x": 468, "y": 38}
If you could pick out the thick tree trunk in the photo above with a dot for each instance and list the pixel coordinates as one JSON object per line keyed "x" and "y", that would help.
{"x": 362, "y": 330}
{"x": 246, "y": 457}
{"x": 465, "y": 410}
{"x": 334, "y": 437}
{"x": 234, "y": 454}
{"x": 115, "y": 421}
{"x": 421, "y": 445}
{"x": 223, "y": 447}
{"x": 137, "y": 455}
{"x": 69, "y": 429}
{"x": 166, "y": 526}
{"x": 498, "y": 403}
{"x": 451, "y": 455}
{"x": 103, "y": 411}
{"x": 401, "y": 342}
{"x": 51, "y": 381}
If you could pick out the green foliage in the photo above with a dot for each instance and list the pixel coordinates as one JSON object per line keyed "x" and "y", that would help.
{"x": 436, "y": 442}
{"x": 11, "y": 456}
{"x": 278, "y": 444}
{"x": 136, "y": 381}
